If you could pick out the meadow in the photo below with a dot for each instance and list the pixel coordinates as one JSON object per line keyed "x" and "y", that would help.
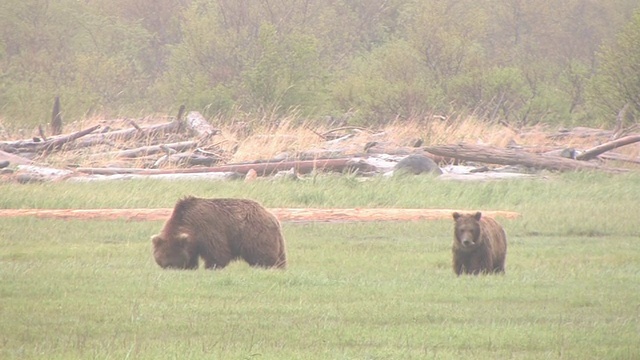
{"x": 81, "y": 289}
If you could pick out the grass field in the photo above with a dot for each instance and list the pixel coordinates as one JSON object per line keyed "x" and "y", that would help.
{"x": 90, "y": 289}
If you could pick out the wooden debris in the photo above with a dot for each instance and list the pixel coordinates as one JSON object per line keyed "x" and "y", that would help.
{"x": 593, "y": 152}
{"x": 56, "y": 118}
{"x": 14, "y": 159}
{"x": 181, "y": 147}
{"x": 39, "y": 146}
{"x": 492, "y": 155}
{"x": 197, "y": 123}
{"x": 33, "y": 173}
{"x": 167, "y": 176}
{"x": 268, "y": 168}
{"x": 130, "y": 134}
{"x": 149, "y": 150}
{"x": 283, "y": 214}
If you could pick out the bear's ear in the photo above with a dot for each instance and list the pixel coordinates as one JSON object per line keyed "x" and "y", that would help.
{"x": 477, "y": 215}
{"x": 156, "y": 239}
{"x": 456, "y": 215}
{"x": 183, "y": 237}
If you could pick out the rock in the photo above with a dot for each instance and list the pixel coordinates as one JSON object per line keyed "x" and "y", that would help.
{"x": 417, "y": 164}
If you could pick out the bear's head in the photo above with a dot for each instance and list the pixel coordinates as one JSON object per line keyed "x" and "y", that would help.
{"x": 173, "y": 252}
{"x": 467, "y": 230}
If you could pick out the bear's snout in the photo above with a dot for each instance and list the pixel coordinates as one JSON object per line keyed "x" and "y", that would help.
{"x": 467, "y": 242}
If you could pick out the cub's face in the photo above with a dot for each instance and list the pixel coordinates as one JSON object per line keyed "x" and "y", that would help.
{"x": 467, "y": 230}
{"x": 170, "y": 253}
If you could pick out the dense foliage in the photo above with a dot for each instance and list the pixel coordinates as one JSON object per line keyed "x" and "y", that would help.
{"x": 517, "y": 61}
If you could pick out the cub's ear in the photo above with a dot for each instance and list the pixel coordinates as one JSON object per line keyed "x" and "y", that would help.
{"x": 456, "y": 215}
{"x": 156, "y": 239}
{"x": 477, "y": 215}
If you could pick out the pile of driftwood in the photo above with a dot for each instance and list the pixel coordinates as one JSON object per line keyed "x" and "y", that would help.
{"x": 184, "y": 149}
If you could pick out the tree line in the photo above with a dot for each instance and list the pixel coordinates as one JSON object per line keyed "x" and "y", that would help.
{"x": 518, "y": 61}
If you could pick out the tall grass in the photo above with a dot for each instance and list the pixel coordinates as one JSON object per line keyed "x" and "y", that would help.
{"x": 573, "y": 203}
{"x": 80, "y": 289}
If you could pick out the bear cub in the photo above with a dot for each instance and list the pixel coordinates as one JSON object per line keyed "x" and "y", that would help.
{"x": 219, "y": 231}
{"x": 479, "y": 245}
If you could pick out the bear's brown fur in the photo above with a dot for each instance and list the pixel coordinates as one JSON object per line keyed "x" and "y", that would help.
{"x": 479, "y": 245}
{"x": 219, "y": 231}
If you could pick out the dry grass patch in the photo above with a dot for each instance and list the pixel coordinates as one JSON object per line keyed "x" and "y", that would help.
{"x": 270, "y": 142}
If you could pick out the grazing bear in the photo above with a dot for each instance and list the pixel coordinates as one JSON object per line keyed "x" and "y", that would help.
{"x": 479, "y": 245}
{"x": 219, "y": 231}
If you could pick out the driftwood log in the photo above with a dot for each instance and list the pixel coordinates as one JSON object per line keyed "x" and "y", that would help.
{"x": 39, "y": 146}
{"x": 137, "y": 132}
{"x": 199, "y": 125}
{"x": 14, "y": 159}
{"x": 283, "y": 214}
{"x": 149, "y": 150}
{"x": 593, "y": 152}
{"x": 492, "y": 155}
{"x": 56, "y": 118}
{"x": 262, "y": 169}
{"x": 190, "y": 159}
{"x": 211, "y": 176}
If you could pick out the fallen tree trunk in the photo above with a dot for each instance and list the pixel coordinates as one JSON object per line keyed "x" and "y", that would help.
{"x": 149, "y": 150}
{"x": 620, "y": 158}
{"x": 187, "y": 159}
{"x": 283, "y": 214}
{"x": 493, "y": 155}
{"x": 581, "y": 132}
{"x": 35, "y": 173}
{"x": 595, "y": 151}
{"x": 211, "y": 176}
{"x": 53, "y": 143}
{"x": 129, "y": 134}
{"x": 262, "y": 169}
{"x": 15, "y": 159}
{"x": 197, "y": 123}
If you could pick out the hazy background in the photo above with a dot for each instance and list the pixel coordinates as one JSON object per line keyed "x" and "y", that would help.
{"x": 571, "y": 62}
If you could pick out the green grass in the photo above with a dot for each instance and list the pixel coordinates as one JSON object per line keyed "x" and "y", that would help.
{"x": 90, "y": 289}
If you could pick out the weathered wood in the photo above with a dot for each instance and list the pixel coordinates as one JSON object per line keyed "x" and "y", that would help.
{"x": 34, "y": 173}
{"x": 185, "y": 158}
{"x": 283, "y": 214}
{"x": 108, "y": 171}
{"x": 620, "y": 158}
{"x": 263, "y": 169}
{"x": 56, "y": 117}
{"x": 180, "y": 112}
{"x": 220, "y": 176}
{"x": 492, "y": 155}
{"x": 149, "y": 150}
{"x": 595, "y": 151}
{"x": 199, "y": 125}
{"x": 130, "y": 134}
{"x": 301, "y": 167}
{"x": 15, "y": 159}
{"x": 41, "y": 132}
{"x": 57, "y": 142}
{"x": 581, "y": 132}
{"x": 51, "y": 144}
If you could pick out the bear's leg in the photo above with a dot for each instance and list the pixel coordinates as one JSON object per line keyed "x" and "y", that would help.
{"x": 457, "y": 265}
{"x": 476, "y": 265}
{"x": 260, "y": 260}
{"x": 499, "y": 266}
{"x": 215, "y": 264}
{"x": 193, "y": 263}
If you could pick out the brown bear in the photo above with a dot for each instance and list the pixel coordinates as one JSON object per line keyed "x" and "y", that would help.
{"x": 479, "y": 245}
{"x": 219, "y": 231}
